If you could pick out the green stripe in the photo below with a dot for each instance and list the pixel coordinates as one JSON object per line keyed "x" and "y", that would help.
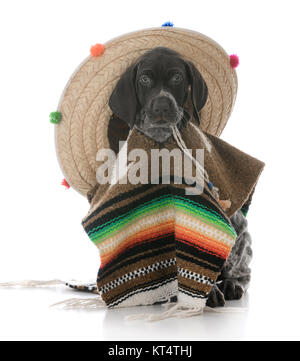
{"x": 162, "y": 203}
{"x": 207, "y": 216}
{"x": 163, "y": 200}
{"x": 131, "y": 219}
{"x": 167, "y": 199}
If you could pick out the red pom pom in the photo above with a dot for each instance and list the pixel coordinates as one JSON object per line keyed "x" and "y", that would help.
{"x": 97, "y": 50}
{"x": 65, "y": 183}
{"x": 234, "y": 61}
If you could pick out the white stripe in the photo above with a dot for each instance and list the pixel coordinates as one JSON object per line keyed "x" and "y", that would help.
{"x": 137, "y": 273}
{"x": 195, "y": 276}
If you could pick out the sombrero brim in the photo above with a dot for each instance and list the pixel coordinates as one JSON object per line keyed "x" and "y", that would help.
{"x": 82, "y": 130}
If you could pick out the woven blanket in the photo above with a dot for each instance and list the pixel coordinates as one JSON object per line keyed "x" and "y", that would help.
{"x": 158, "y": 242}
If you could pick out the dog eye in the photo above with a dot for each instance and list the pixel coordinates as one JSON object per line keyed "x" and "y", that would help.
{"x": 145, "y": 80}
{"x": 176, "y": 78}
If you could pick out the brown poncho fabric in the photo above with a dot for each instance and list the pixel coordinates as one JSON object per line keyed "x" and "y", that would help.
{"x": 157, "y": 241}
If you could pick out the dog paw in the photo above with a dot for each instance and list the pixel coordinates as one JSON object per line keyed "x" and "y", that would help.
{"x": 215, "y": 298}
{"x": 231, "y": 290}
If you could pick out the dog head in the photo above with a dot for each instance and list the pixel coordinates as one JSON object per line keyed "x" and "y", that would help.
{"x": 152, "y": 92}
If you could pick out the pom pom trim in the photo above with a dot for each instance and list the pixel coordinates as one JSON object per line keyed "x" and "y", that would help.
{"x": 97, "y": 50}
{"x": 234, "y": 61}
{"x": 65, "y": 183}
{"x": 168, "y": 23}
{"x": 55, "y": 117}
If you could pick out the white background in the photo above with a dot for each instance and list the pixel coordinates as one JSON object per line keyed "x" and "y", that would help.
{"x": 42, "y": 42}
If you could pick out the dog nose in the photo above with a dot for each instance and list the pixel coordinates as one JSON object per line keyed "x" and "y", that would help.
{"x": 160, "y": 105}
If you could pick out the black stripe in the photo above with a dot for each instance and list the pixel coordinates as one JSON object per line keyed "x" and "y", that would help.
{"x": 190, "y": 249}
{"x": 196, "y": 294}
{"x": 110, "y": 216}
{"x": 119, "y": 198}
{"x": 155, "y": 246}
{"x": 133, "y": 192}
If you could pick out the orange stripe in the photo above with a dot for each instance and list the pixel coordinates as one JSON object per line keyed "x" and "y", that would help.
{"x": 145, "y": 235}
{"x": 199, "y": 236}
{"x": 203, "y": 250}
{"x": 203, "y": 241}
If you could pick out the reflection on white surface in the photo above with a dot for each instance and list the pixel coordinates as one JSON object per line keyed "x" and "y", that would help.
{"x": 207, "y": 326}
{"x": 26, "y": 315}
{"x": 23, "y": 307}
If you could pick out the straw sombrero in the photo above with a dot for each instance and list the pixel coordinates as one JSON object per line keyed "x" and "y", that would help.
{"x": 83, "y": 113}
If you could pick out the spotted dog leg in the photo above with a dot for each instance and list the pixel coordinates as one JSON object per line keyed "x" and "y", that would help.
{"x": 234, "y": 278}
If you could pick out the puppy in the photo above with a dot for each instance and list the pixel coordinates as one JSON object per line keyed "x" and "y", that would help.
{"x": 151, "y": 95}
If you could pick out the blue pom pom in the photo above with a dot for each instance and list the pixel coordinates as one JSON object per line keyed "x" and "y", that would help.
{"x": 210, "y": 185}
{"x": 168, "y": 23}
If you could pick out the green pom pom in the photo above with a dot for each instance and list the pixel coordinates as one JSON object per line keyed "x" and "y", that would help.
{"x": 55, "y": 117}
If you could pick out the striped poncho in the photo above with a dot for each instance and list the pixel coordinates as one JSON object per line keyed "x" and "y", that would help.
{"x": 159, "y": 243}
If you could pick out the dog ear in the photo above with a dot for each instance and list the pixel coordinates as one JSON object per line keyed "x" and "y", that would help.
{"x": 198, "y": 89}
{"x": 123, "y": 100}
